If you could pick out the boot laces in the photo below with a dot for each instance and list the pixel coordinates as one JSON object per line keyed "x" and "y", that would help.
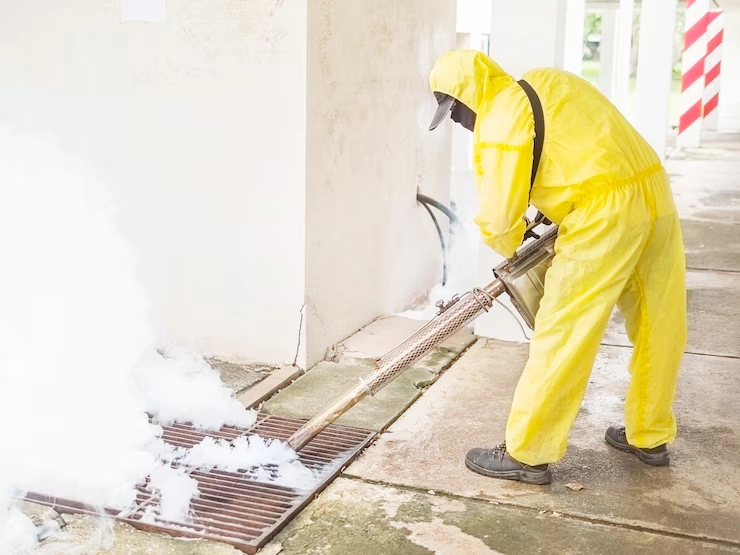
{"x": 499, "y": 450}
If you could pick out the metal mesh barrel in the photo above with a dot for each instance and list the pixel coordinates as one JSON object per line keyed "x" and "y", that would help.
{"x": 435, "y": 332}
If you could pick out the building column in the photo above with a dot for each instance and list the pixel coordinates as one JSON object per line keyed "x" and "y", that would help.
{"x": 623, "y": 56}
{"x": 729, "y": 106}
{"x": 712, "y": 67}
{"x": 371, "y": 248}
{"x": 692, "y": 74}
{"x": 608, "y": 52}
{"x": 571, "y": 34}
{"x": 654, "y": 67}
{"x": 520, "y": 41}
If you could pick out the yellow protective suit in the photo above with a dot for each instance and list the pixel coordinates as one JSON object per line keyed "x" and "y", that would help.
{"x": 619, "y": 243}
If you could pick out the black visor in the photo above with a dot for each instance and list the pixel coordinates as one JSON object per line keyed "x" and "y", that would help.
{"x": 445, "y": 102}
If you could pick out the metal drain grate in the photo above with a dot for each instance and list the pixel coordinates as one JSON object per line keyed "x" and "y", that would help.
{"x": 232, "y": 507}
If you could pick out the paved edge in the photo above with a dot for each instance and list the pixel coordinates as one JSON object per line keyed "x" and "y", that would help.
{"x": 267, "y": 387}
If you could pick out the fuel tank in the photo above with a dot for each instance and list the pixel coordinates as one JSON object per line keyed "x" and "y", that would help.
{"x": 524, "y": 278}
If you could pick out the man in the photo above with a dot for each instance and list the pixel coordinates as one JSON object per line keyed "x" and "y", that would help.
{"x": 619, "y": 243}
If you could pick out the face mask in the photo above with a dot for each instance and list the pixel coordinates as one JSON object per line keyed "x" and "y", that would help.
{"x": 463, "y": 115}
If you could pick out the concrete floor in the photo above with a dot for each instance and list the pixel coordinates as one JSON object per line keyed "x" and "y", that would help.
{"x": 697, "y": 495}
{"x": 358, "y": 517}
{"x": 85, "y": 535}
{"x": 411, "y": 493}
{"x": 353, "y": 358}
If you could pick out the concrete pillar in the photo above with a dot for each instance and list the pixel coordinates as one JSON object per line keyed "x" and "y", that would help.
{"x": 371, "y": 249}
{"x": 520, "y": 41}
{"x": 608, "y": 52}
{"x": 654, "y": 67}
{"x": 729, "y": 104}
{"x": 712, "y": 69}
{"x": 623, "y": 56}
{"x": 690, "y": 103}
{"x": 554, "y": 38}
{"x": 571, "y": 34}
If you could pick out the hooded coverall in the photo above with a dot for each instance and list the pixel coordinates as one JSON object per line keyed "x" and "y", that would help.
{"x": 619, "y": 243}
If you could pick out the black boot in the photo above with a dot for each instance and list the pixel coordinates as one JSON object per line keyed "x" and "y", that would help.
{"x": 657, "y": 456}
{"x": 497, "y": 463}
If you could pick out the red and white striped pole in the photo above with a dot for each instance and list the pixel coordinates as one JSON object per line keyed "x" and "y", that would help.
{"x": 712, "y": 63}
{"x": 692, "y": 73}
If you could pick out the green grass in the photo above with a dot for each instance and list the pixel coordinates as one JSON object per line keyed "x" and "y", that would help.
{"x": 590, "y": 70}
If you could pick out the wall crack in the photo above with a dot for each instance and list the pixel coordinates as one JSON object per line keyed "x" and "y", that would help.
{"x": 298, "y": 346}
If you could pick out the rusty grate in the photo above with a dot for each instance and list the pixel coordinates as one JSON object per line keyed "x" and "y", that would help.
{"x": 233, "y": 507}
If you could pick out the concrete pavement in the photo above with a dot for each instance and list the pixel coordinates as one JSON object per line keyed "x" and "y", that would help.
{"x": 696, "y": 496}
{"x": 357, "y": 517}
{"x": 353, "y": 358}
{"x": 392, "y": 497}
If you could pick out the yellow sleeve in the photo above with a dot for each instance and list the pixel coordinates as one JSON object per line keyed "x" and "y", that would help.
{"x": 503, "y": 169}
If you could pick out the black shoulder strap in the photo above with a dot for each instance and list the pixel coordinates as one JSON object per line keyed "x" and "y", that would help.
{"x": 539, "y": 127}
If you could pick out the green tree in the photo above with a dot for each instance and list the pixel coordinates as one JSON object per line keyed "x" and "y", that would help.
{"x": 592, "y": 24}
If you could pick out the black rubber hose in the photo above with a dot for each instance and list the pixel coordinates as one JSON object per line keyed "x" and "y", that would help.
{"x": 441, "y": 241}
{"x": 454, "y": 221}
{"x": 439, "y": 206}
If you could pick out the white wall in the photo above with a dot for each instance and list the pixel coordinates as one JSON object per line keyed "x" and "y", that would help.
{"x": 242, "y": 204}
{"x": 370, "y": 248}
{"x": 197, "y": 126}
{"x": 729, "y": 99}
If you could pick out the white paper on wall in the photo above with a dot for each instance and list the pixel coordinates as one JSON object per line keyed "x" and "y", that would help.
{"x": 150, "y": 11}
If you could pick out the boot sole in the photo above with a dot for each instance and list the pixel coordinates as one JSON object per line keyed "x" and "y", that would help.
{"x": 536, "y": 478}
{"x": 663, "y": 459}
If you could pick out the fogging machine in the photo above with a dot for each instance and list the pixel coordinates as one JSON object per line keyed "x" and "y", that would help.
{"x": 521, "y": 277}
